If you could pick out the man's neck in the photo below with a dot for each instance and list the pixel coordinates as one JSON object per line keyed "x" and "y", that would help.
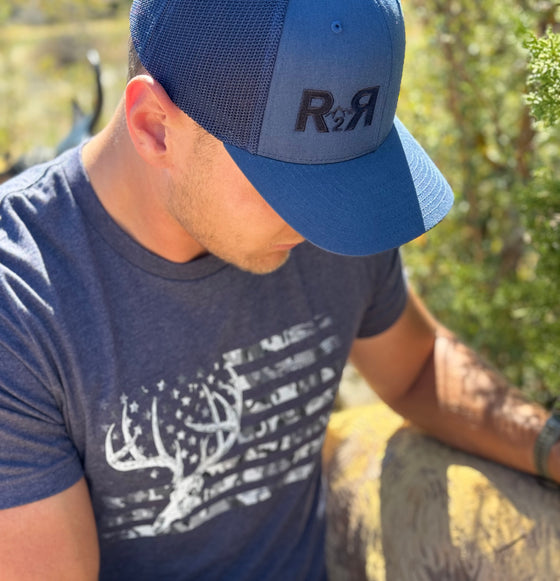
{"x": 133, "y": 193}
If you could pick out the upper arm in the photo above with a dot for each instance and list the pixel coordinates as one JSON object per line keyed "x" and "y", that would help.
{"x": 391, "y": 361}
{"x": 53, "y": 539}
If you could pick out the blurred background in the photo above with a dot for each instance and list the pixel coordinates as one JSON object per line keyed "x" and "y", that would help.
{"x": 481, "y": 92}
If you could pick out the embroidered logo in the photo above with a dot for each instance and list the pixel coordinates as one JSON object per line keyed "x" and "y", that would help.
{"x": 319, "y": 105}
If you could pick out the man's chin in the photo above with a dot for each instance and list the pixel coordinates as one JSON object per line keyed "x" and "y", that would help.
{"x": 265, "y": 264}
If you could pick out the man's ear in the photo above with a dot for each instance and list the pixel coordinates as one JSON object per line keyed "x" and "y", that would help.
{"x": 149, "y": 111}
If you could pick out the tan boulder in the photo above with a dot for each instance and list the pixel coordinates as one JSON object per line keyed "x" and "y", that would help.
{"x": 404, "y": 507}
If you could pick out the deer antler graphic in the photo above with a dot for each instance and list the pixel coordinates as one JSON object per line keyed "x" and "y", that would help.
{"x": 187, "y": 489}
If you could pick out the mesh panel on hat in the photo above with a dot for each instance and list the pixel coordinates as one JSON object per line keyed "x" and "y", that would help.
{"x": 215, "y": 60}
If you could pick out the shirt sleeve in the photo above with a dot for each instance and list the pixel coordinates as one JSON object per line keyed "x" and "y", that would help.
{"x": 37, "y": 457}
{"x": 389, "y": 294}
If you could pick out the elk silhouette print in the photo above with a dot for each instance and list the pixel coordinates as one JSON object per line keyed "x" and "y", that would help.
{"x": 215, "y": 437}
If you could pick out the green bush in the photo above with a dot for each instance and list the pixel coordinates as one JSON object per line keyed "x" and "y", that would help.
{"x": 544, "y": 76}
{"x": 490, "y": 270}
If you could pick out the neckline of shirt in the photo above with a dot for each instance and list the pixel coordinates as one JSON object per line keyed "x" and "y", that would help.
{"x": 120, "y": 241}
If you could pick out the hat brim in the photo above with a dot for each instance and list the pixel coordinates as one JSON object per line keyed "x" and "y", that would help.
{"x": 362, "y": 206}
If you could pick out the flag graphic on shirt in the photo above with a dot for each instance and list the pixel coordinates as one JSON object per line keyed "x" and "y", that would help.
{"x": 230, "y": 436}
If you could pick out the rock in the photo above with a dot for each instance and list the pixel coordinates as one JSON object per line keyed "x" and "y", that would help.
{"x": 404, "y": 507}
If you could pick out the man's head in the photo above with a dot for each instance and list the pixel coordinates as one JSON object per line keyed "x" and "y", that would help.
{"x": 199, "y": 201}
{"x": 302, "y": 94}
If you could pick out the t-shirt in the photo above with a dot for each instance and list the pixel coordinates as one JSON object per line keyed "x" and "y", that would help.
{"x": 193, "y": 397}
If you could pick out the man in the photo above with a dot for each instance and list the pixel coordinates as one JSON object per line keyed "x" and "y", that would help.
{"x": 178, "y": 307}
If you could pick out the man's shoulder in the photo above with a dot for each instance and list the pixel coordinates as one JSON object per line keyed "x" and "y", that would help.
{"x": 37, "y": 211}
{"x": 39, "y": 182}
{"x": 27, "y": 198}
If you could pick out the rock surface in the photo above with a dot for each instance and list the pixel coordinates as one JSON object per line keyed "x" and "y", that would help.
{"x": 404, "y": 507}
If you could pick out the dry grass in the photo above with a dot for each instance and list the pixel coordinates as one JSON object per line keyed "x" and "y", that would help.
{"x": 43, "y": 68}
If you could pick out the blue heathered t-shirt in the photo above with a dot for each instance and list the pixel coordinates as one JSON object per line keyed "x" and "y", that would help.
{"x": 193, "y": 397}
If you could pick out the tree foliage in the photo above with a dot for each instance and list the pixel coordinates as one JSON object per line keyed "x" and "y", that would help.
{"x": 542, "y": 207}
{"x": 544, "y": 76}
{"x": 490, "y": 270}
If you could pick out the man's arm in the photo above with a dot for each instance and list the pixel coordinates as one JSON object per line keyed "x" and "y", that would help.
{"x": 429, "y": 377}
{"x": 53, "y": 539}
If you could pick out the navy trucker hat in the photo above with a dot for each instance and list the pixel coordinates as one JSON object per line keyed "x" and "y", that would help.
{"x": 303, "y": 95}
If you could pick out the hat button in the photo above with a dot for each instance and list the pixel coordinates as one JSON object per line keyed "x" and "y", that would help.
{"x": 336, "y": 27}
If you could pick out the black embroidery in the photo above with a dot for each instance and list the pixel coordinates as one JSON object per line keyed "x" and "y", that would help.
{"x": 319, "y": 105}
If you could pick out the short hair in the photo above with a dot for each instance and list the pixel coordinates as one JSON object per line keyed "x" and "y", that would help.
{"x": 135, "y": 66}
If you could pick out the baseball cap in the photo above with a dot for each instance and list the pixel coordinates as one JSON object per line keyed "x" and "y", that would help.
{"x": 303, "y": 94}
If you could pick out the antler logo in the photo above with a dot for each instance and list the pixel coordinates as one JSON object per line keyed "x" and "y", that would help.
{"x": 221, "y": 431}
{"x": 319, "y": 105}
